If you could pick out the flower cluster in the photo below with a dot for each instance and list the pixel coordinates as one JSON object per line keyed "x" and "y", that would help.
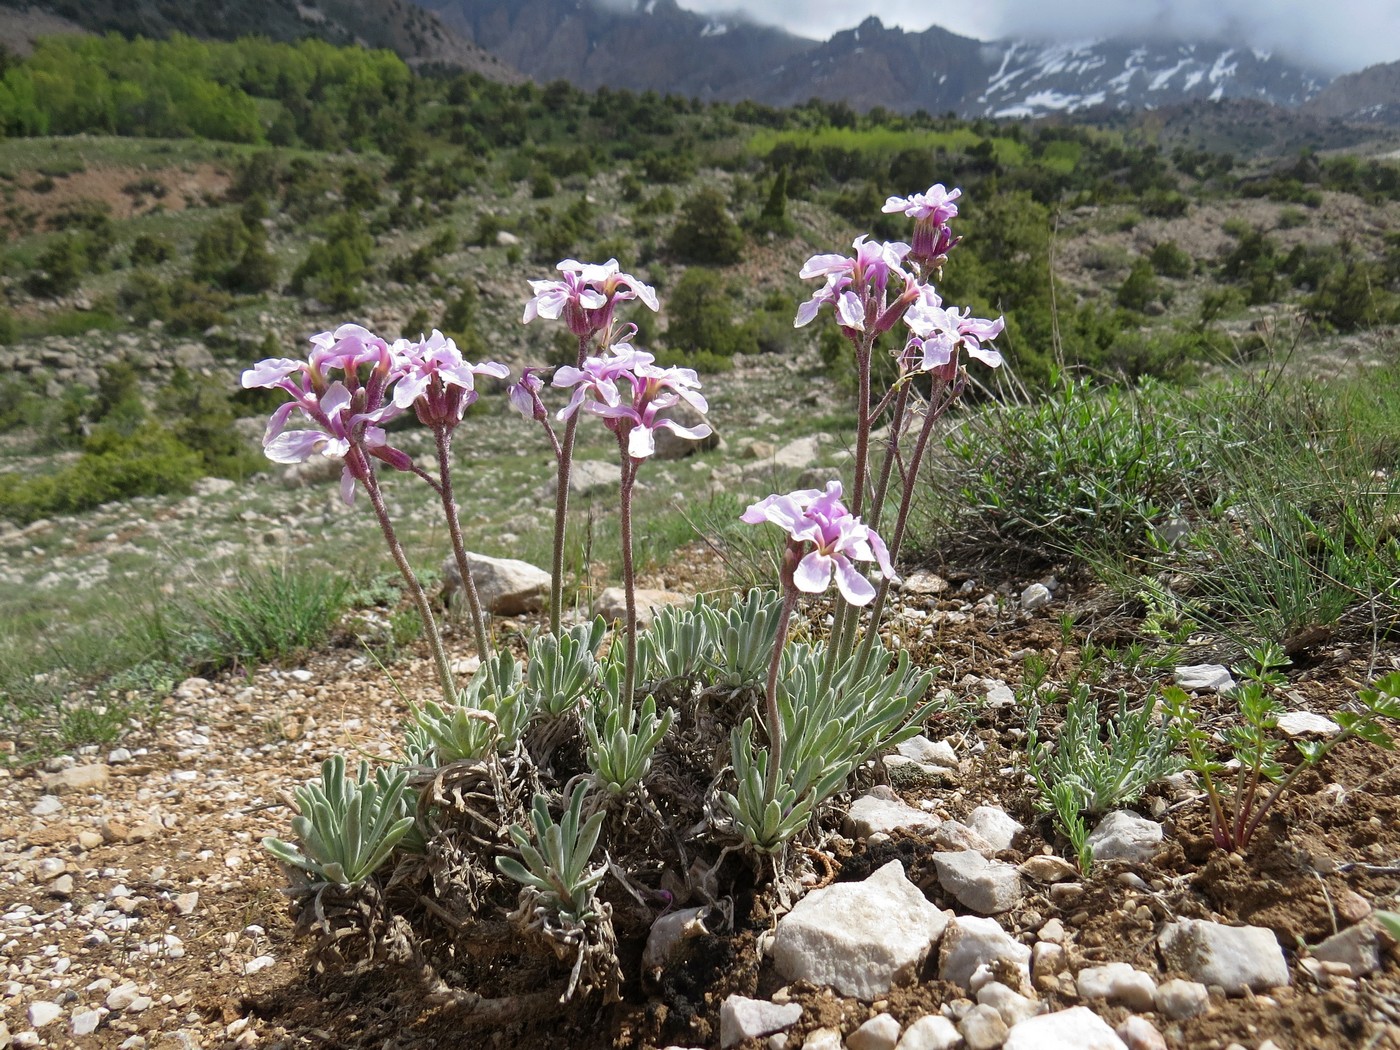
{"x": 629, "y": 391}
{"x": 586, "y": 296}
{"x": 351, "y": 384}
{"x": 882, "y": 284}
{"x": 824, "y": 538}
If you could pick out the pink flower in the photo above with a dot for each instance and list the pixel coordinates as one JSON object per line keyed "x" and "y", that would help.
{"x": 939, "y": 335}
{"x": 856, "y": 287}
{"x": 931, "y": 212}
{"x": 340, "y": 389}
{"x": 630, "y": 392}
{"x": 586, "y": 296}
{"x": 837, "y": 539}
{"x": 525, "y": 395}
{"x": 432, "y": 376}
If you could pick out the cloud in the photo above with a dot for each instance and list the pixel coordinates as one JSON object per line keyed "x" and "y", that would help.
{"x": 1344, "y": 36}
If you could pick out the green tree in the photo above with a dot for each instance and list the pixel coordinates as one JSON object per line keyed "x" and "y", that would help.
{"x": 705, "y": 233}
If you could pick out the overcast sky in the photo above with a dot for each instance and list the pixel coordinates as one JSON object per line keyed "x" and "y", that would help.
{"x": 1338, "y": 36}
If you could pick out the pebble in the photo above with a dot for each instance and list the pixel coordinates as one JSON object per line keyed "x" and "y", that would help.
{"x": 1126, "y": 836}
{"x": 985, "y": 886}
{"x": 43, "y": 1013}
{"x": 121, "y": 997}
{"x": 1138, "y": 1033}
{"x": 1034, "y": 597}
{"x": 933, "y": 1032}
{"x": 1117, "y": 982}
{"x": 85, "y": 1022}
{"x": 743, "y": 1018}
{"x": 1078, "y": 1028}
{"x": 1238, "y": 958}
{"x": 1204, "y": 678}
{"x": 1178, "y": 1000}
{"x": 881, "y": 1032}
{"x": 983, "y": 1029}
{"x": 47, "y": 806}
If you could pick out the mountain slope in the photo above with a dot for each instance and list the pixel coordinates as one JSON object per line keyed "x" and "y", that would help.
{"x": 1372, "y": 95}
{"x": 401, "y": 26}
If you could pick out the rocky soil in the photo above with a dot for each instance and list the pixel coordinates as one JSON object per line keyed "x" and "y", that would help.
{"x": 141, "y": 911}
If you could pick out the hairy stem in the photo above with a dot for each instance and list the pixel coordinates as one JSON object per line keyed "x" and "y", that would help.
{"x": 561, "y": 507}
{"x": 459, "y": 551}
{"x": 415, "y": 589}
{"x": 770, "y": 693}
{"x": 629, "y": 577}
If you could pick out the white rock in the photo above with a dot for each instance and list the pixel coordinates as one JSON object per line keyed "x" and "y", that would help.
{"x": 986, "y": 886}
{"x": 1138, "y": 1033}
{"x": 1034, "y": 597}
{"x": 922, "y": 582}
{"x": 1047, "y": 959}
{"x": 612, "y": 603}
{"x": 1013, "y": 1006}
{"x": 1357, "y": 946}
{"x": 995, "y": 825}
{"x": 506, "y": 586}
{"x": 1305, "y": 723}
{"x": 742, "y": 1018}
{"x": 999, "y": 694}
{"x": 983, "y": 1029}
{"x": 970, "y": 942}
{"x": 1235, "y": 957}
{"x": 1178, "y": 1000}
{"x": 1204, "y": 678}
{"x": 122, "y": 996}
{"x": 880, "y": 811}
{"x": 42, "y": 1013}
{"x": 186, "y": 903}
{"x": 25, "y": 1040}
{"x": 47, "y": 806}
{"x": 929, "y": 752}
{"x": 85, "y": 1022}
{"x": 50, "y": 868}
{"x": 860, "y": 938}
{"x": 78, "y": 779}
{"x": 118, "y": 756}
{"x": 262, "y": 962}
{"x": 822, "y": 1039}
{"x": 1078, "y": 1028}
{"x": 1117, "y": 982}
{"x": 586, "y": 477}
{"x": 933, "y": 1032}
{"x": 881, "y": 1032}
{"x": 955, "y": 837}
{"x": 1126, "y": 836}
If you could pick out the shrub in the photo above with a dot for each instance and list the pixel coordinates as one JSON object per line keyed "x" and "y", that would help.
{"x": 705, "y": 233}
{"x": 1170, "y": 261}
{"x": 148, "y": 250}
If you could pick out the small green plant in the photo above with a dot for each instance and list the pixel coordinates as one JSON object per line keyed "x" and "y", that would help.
{"x": 562, "y": 670}
{"x": 744, "y": 637}
{"x": 621, "y": 736}
{"x": 347, "y": 828}
{"x": 486, "y": 721}
{"x": 677, "y": 644}
{"x": 556, "y": 863}
{"x": 1237, "y": 809}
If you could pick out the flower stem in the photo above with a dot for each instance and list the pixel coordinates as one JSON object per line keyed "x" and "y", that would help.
{"x": 415, "y": 589}
{"x": 843, "y": 628}
{"x": 459, "y": 551}
{"x": 770, "y": 693}
{"x": 561, "y": 507}
{"x": 906, "y": 501}
{"x": 629, "y": 577}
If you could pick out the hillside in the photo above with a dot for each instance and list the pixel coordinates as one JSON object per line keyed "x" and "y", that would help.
{"x": 401, "y": 26}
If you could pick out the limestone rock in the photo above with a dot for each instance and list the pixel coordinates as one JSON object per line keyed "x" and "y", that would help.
{"x": 586, "y": 476}
{"x": 1356, "y": 946}
{"x": 742, "y": 1018}
{"x": 970, "y": 942}
{"x": 78, "y": 778}
{"x": 983, "y": 1029}
{"x": 861, "y": 938}
{"x": 1117, "y": 982}
{"x": 1235, "y": 957}
{"x": 507, "y": 586}
{"x": 933, "y": 1032}
{"x": 670, "y": 445}
{"x": 881, "y": 1032}
{"x": 1204, "y": 678}
{"x": 612, "y": 603}
{"x": 1075, "y": 1029}
{"x": 985, "y": 886}
{"x": 995, "y": 825}
{"x": 1178, "y": 1000}
{"x": 1126, "y": 836}
{"x": 882, "y": 811}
